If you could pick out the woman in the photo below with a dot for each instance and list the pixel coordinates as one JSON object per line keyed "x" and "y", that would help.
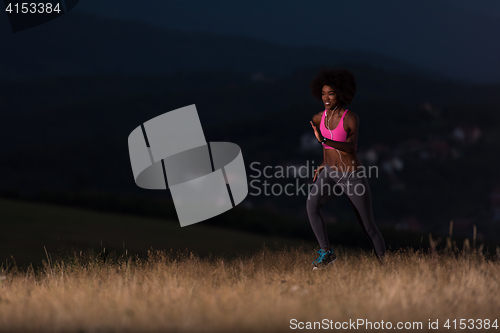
{"x": 336, "y": 128}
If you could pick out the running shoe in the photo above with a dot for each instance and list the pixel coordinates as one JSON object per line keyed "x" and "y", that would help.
{"x": 325, "y": 258}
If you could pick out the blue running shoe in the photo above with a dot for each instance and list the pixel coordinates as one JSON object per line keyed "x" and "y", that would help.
{"x": 325, "y": 258}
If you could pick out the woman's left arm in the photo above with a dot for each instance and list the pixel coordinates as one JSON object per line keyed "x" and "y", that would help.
{"x": 352, "y": 121}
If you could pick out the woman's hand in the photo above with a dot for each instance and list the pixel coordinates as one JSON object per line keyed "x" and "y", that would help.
{"x": 316, "y": 132}
{"x": 317, "y": 171}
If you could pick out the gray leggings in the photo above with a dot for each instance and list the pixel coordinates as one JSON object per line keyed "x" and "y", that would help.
{"x": 355, "y": 186}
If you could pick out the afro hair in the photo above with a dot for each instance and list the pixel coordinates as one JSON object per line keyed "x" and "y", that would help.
{"x": 341, "y": 80}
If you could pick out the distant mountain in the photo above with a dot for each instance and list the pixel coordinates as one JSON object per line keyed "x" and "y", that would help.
{"x": 79, "y": 44}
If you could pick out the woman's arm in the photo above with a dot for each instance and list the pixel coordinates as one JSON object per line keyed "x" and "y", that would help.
{"x": 316, "y": 121}
{"x": 348, "y": 147}
{"x": 317, "y": 118}
{"x": 318, "y": 170}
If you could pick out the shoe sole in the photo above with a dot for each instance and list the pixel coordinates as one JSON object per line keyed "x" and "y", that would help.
{"x": 325, "y": 265}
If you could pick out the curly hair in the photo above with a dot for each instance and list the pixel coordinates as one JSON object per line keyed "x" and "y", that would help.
{"x": 341, "y": 80}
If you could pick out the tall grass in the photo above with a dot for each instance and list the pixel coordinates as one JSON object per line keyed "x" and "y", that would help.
{"x": 260, "y": 292}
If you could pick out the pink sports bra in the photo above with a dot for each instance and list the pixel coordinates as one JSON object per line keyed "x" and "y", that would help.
{"x": 337, "y": 134}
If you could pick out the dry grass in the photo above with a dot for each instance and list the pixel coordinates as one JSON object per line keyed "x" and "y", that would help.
{"x": 263, "y": 292}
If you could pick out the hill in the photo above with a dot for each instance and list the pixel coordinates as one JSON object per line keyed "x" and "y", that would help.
{"x": 68, "y": 134}
{"x": 30, "y": 228}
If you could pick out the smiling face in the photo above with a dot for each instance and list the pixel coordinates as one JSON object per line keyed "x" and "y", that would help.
{"x": 330, "y": 98}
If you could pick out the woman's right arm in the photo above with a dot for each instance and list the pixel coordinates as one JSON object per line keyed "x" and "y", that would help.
{"x": 318, "y": 170}
{"x": 317, "y": 122}
{"x": 317, "y": 119}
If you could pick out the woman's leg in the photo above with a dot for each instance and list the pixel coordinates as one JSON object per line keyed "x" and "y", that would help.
{"x": 358, "y": 192}
{"x": 320, "y": 193}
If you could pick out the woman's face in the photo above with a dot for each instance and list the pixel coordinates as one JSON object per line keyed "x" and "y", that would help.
{"x": 329, "y": 97}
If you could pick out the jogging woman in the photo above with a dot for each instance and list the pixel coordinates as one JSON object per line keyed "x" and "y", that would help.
{"x": 336, "y": 128}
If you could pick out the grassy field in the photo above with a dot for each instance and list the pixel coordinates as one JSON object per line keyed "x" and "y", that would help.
{"x": 269, "y": 291}
{"x": 92, "y": 272}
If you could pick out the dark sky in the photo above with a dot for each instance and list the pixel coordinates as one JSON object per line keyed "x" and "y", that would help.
{"x": 456, "y": 37}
